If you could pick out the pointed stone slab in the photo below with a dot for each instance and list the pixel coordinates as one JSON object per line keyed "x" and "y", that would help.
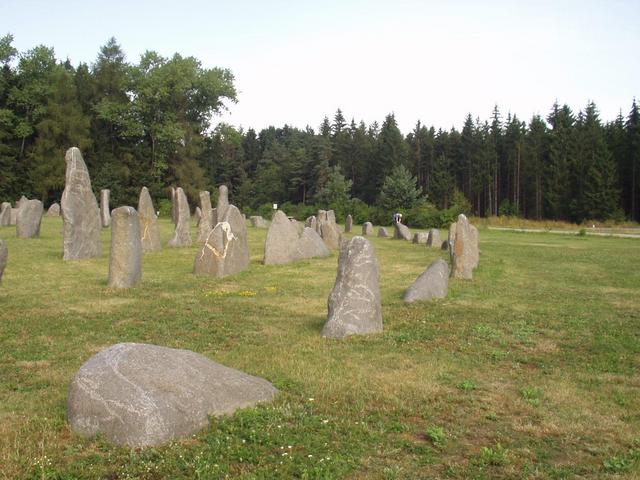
{"x": 29, "y": 219}
{"x": 4, "y": 256}
{"x": 149, "y": 230}
{"x": 328, "y": 229}
{"x": 432, "y": 283}
{"x": 125, "y": 255}
{"x": 280, "y": 244}
{"x": 105, "y": 215}
{"x": 182, "y": 234}
{"x": 348, "y": 224}
{"x": 5, "y": 214}
{"x": 367, "y": 228}
{"x": 222, "y": 203}
{"x": 434, "y": 238}
{"x": 354, "y": 302}
{"x": 402, "y": 232}
{"x": 382, "y": 233}
{"x": 80, "y": 211}
{"x": 54, "y": 210}
{"x": 205, "y": 225}
{"x": 463, "y": 248}
{"x": 141, "y": 395}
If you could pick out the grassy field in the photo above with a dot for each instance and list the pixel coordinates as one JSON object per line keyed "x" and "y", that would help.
{"x": 531, "y": 370}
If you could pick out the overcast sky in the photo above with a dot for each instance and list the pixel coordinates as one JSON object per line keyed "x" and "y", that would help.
{"x": 295, "y": 62}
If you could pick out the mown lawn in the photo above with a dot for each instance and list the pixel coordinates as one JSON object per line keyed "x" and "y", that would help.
{"x": 531, "y": 370}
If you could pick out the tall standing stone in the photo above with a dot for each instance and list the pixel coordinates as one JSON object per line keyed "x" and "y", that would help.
{"x": 125, "y": 256}
{"x": 149, "y": 230}
{"x": 367, "y": 228}
{"x": 205, "y": 226}
{"x": 197, "y": 216}
{"x": 354, "y": 302}
{"x": 23, "y": 200}
{"x": 432, "y": 283}
{"x": 4, "y": 255}
{"x": 348, "y": 224}
{"x": 14, "y": 216}
{"x": 182, "y": 234}
{"x": 222, "y": 204}
{"x": 54, "y": 210}
{"x": 434, "y": 238}
{"x": 29, "y": 219}
{"x": 80, "y": 211}
{"x": 328, "y": 229}
{"x": 279, "y": 246}
{"x": 174, "y": 205}
{"x": 5, "y": 214}
{"x": 105, "y": 215}
{"x": 225, "y": 250}
{"x": 463, "y": 248}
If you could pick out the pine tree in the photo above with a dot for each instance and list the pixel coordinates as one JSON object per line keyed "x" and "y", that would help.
{"x": 632, "y": 128}
{"x": 562, "y": 154}
{"x": 399, "y": 190}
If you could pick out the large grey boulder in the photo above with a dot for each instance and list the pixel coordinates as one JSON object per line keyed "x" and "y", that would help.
{"x": 367, "y": 228}
{"x": 258, "y": 222}
{"x": 5, "y": 214}
{"x": 105, "y": 215}
{"x": 29, "y": 219}
{"x": 328, "y": 229}
{"x": 463, "y": 248}
{"x": 125, "y": 256}
{"x": 434, "y": 238}
{"x": 54, "y": 210}
{"x": 141, "y": 395}
{"x": 421, "y": 238}
{"x": 402, "y": 232}
{"x": 354, "y": 302}
{"x": 4, "y": 255}
{"x": 382, "y": 233}
{"x": 225, "y": 250}
{"x": 310, "y": 245}
{"x": 286, "y": 244}
{"x": 182, "y": 234}
{"x": 206, "y": 222}
{"x": 149, "y": 230}
{"x": 348, "y": 224}
{"x": 432, "y": 283}
{"x": 80, "y": 212}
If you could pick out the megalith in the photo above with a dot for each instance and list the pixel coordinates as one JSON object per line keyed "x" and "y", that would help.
{"x": 463, "y": 248}
{"x": 421, "y": 238}
{"x": 149, "y": 230}
{"x": 205, "y": 225}
{"x": 348, "y": 224}
{"x": 182, "y": 234}
{"x": 434, "y": 238}
{"x": 402, "y": 232}
{"x": 5, "y": 214}
{"x": 29, "y": 219}
{"x": 432, "y": 283}
{"x": 105, "y": 213}
{"x": 367, "y": 228}
{"x": 382, "y": 232}
{"x": 125, "y": 255}
{"x": 54, "y": 210}
{"x": 4, "y": 255}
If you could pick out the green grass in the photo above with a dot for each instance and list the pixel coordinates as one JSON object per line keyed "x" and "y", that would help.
{"x": 531, "y": 370}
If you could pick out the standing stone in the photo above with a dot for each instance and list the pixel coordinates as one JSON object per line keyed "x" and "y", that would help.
{"x": 434, "y": 238}
{"x": 149, "y": 230}
{"x": 225, "y": 250}
{"x": 367, "y": 228}
{"x": 312, "y": 222}
{"x": 29, "y": 219}
{"x": 463, "y": 248}
{"x": 174, "y": 206}
{"x": 432, "y": 283}
{"x": 258, "y": 222}
{"x": 311, "y": 245}
{"x": 445, "y": 245}
{"x": 5, "y": 214}
{"x": 328, "y": 229}
{"x": 14, "y": 216}
{"x": 205, "y": 226}
{"x": 4, "y": 255}
{"x": 125, "y": 256}
{"x": 475, "y": 251}
{"x": 348, "y": 224}
{"x": 54, "y": 210}
{"x": 421, "y": 238}
{"x": 142, "y": 395}
{"x": 182, "y": 234}
{"x": 223, "y": 202}
{"x": 80, "y": 211}
{"x": 279, "y": 246}
{"x": 382, "y": 233}
{"x": 105, "y": 215}
{"x": 354, "y": 302}
{"x": 197, "y": 216}
{"x": 402, "y": 232}
{"x": 23, "y": 200}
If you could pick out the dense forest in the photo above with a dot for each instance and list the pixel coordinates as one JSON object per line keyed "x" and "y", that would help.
{"x": 150, "y": 124}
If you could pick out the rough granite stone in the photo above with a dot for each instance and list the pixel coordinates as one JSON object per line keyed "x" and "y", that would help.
{"x": 434, "y": 238}
{"x": 4, "y": 255}
{"x": 312, "y": 222}
{"x": 225, "y": 250}
{"x": 285, "y": 244}
{"x": 402, "y": 232}
{"x": 348, "y": 224}
{"x": 80, "y": 211}
{"x": 258, "y": 222}
{"x": 382, "y": 233}
{"x": 328, "y": 229}
{"x": 182, "y": 234}
{"x": 105, "y": 215}
{"x": 463, "y": 248}
{"x": 54, "y": 210}
{"x": 197, "y": 216}
{"x": 432, "y": 283}
{"x": 14, "y": 216}
{"x": 223, "y": 202}
{"x": 311, "y": 245}
{"x": 141, "y": 395}
{"x": 174, "y": 205}
{"x": 21, "y": 202}
{"x": 5, "y": 214}
{"x": 206, "y": 224}
{"x": 367, "y": 228}
{"x": 125, "y": 256}
{"x": 149, "y": 230}
{"x": 421, "y": 238}
{"x": 354, "y": 302}
{"x": 29, "y": 219}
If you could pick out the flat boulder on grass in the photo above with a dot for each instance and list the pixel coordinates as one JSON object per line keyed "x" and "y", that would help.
{"x": 354, "y": 302}
{"x": 125, "y": 255}
{"x": 432, "y": 283}
{"x": 402, "y": 232}
{"x": 5, "y": 214}
{"x": 54, "y": 210}
{"x": 434, "y": 238}
{"x": 29, "y": 219}
{"x": 225, "y": 251}
{"x": 149, "y": 230}
{"x": 367, "y": 228}
{"x": 421, "y": 238}
{"x": 382, "y": 233}
{"x": 4, "y": 255}
{"x": 142, "y": 395}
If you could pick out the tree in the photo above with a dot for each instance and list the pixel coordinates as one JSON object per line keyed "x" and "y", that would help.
{"x": 632, "y": 128}
{"x": 399, "y": 190}
{"x": 336, "y": 192}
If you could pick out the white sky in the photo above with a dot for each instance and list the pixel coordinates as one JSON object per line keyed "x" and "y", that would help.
{"x": 296, "y": 62}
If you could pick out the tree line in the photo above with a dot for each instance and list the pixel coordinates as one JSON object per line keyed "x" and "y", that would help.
{"x": 150, "y": 124}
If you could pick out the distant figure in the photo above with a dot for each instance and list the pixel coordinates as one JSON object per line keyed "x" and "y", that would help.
{"x": 397, "y": 218}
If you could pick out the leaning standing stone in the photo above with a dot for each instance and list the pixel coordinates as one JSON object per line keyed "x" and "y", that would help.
{"x": 354, "y": 302}
{"x": 80, "y": 211}
{"x": 141, "y": 395}
{"x": 29, "y": 219}
{"x": 432, "y": 283}
{"x": 434, "y": 238}
{"x": 182, "y": 234}
{"x": 5, "y": 214}
{"x": 125, "y": 256}
{"x": 348, "y": 224}
{"x": 402, "y": 232}
{"x": 382, "y": 233}
{"x": 54, "y": 210}
{"x": 105, "y": 216}
{"x": 205, "y": 225}
{"x": 367, "y": 228}
{"x": 149, "y": 230}
{"x": 420, "y": 238}
{"x": 4, "y": 255}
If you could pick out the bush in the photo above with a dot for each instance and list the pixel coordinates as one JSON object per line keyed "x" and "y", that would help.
{"x": 508, "y": 209}
{"x": 164, "y": 207}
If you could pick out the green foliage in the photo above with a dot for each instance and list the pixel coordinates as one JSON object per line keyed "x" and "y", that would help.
{"x": 436, "y": 435}
{"x": 532, "y": 395}
{"x": 399, "y": 190}
{"x": 508, "y": 209}
{"x": 467, "y": 385}
{"x": 494, "y": 456}
{"x": 335, "y": 193}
